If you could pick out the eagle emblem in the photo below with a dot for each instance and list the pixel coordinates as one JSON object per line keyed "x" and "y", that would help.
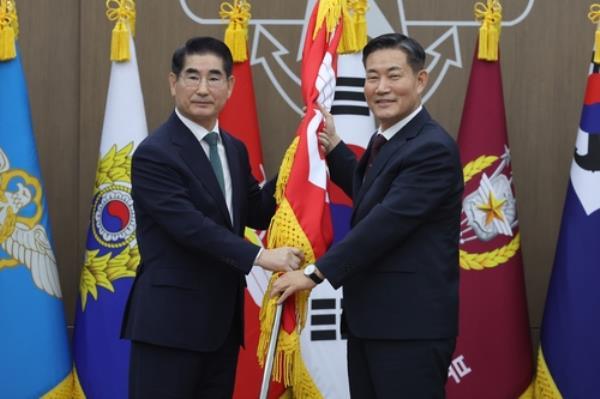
{"x": 22, "y": 237}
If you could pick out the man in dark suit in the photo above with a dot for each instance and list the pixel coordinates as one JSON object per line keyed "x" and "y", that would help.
{"x": 193, "y": 195}
{"x": 399, "y": 262}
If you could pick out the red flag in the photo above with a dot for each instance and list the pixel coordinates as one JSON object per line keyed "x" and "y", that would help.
{"x": 303, "y": 218}
{"x": 493, "y": 358}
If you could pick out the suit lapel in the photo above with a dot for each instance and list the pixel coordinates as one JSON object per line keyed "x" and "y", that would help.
{"x": 194, "y": 156}
{"x": 387, "y": 151}
{"x": 233, "y": 160}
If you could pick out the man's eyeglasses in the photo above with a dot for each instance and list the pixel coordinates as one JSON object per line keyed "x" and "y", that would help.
{"x": 193, "y": 81}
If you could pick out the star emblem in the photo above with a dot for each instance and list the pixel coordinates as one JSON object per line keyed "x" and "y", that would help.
{"x": 492, "y": 208}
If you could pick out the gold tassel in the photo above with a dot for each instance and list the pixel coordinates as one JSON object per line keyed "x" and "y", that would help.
{"x": 594, "y": 16}
{"x": 236, "y": 34}
{"x": 360, "y": 8}
{"x": 490, "y": 16}
{"x": 123, "y": 12}
{"x": 348, "y": 43}
{"x": 8, "y": 30}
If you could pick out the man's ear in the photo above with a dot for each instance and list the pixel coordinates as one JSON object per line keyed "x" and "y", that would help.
{"x": 230, "y": 85}
{"x": 422, "y": 80}
{"x": 172, "y": 81}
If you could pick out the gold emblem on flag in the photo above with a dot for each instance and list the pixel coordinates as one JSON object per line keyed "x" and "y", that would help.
{"x": 112, "y": 252}
{"x": 23, "y": 238}
{"x": 489, "y": 211}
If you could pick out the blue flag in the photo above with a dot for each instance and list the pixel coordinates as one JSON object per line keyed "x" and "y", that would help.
{"x": 111, "y": 259}
{"x": 34, "y": 350}
{"x": 570, "y": 349}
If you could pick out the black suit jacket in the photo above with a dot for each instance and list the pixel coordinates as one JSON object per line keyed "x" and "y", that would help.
{"x": 188, "y": 289}
{"x": 399, "y": 262}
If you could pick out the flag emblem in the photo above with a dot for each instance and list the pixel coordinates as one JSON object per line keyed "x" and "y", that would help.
{"x": 22, "y": 237}
{"x": 489, "y": 211}
{"x": 112, "y": 248}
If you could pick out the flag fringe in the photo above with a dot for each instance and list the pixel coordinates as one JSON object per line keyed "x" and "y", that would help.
{"x": 123, "y": 12}
{"x": 64, "y": 389}
{"x": 490, "y": 16}
{"x": 544, "y": 386}
{"x": 285, "y": 230}
{"x": 236, "y": 34}
{"x": 9, "y": 26}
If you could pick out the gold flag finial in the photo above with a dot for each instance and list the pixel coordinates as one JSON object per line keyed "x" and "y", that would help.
{"x": 9, "y": 30}
{"x": 594, "y": 16}
{"x": 236, "y": 34}
{"x": 123, "y": 12}
{"x": 490, "y": 16}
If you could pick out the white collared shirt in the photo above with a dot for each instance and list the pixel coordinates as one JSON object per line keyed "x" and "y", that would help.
{"x": 200, "y": 132}
{"x": 395, "y": 128}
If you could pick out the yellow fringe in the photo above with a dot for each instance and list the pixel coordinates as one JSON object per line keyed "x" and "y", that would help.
{"x": 528, "y": 394}
{"x": 77, "y": 388}
{"x": 64, "y": 390}
{"x": 9, "y": 27}
{"x": 594, "y": 16}
{"x": 544, "y": 386}
{"x": 123, "y": 12}
{"x": 490, "y": 16}
{"x": 285, "y": 230}
{"x": 236, "y": 34}
{"x": 329, "y": 11}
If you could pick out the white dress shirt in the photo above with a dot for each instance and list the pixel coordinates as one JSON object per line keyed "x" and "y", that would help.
{"x": 200, "y": 132}
{"x": 395, "y": 128}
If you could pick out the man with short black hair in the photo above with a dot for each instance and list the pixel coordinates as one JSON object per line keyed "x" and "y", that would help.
{"x": 193, "y": 195}
{"x": 399, "y": 262}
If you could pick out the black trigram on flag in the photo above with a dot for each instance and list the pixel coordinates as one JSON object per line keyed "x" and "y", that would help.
{"x": 325, "y": 316}
{"x": 349, "y": 98}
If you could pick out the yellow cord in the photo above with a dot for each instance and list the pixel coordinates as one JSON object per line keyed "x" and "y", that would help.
{"x": 490, "y": 16}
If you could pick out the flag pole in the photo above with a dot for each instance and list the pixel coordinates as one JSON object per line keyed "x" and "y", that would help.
{"x": 264, "y": 388}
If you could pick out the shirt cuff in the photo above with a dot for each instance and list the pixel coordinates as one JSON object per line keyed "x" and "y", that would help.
{"x": 258, "y": 254}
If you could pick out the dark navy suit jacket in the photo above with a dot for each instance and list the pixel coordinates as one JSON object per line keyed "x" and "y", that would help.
{"x": 189, "y": 287}
{"x": 399, "y": 262}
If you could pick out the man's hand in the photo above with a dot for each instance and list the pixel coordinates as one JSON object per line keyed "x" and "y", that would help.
{"x": 289, "y": 283}
{"x": 328, "y": 138}
{"x": 282, "y": 259}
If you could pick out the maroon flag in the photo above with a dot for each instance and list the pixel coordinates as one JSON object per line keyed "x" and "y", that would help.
{"x": 493, "y": 357}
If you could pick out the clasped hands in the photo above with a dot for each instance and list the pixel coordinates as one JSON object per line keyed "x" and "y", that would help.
{"x": 285, "y": 260}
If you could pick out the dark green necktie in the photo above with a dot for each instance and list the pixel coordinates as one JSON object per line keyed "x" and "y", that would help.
{"x": 212, "y": 139}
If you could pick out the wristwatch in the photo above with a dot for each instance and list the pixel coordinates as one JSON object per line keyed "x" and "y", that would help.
{"x": 310, "y": 271}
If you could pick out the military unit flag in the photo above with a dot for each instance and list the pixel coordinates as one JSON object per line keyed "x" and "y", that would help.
{"x": 35, "y": 359}
{"x": 101, "y": 358}
{"x": 567, "y": 365}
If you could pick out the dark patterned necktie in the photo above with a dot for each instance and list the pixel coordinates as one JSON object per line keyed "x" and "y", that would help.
{"x": 212, "y": 139}
{"x": 378, "y": 142}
